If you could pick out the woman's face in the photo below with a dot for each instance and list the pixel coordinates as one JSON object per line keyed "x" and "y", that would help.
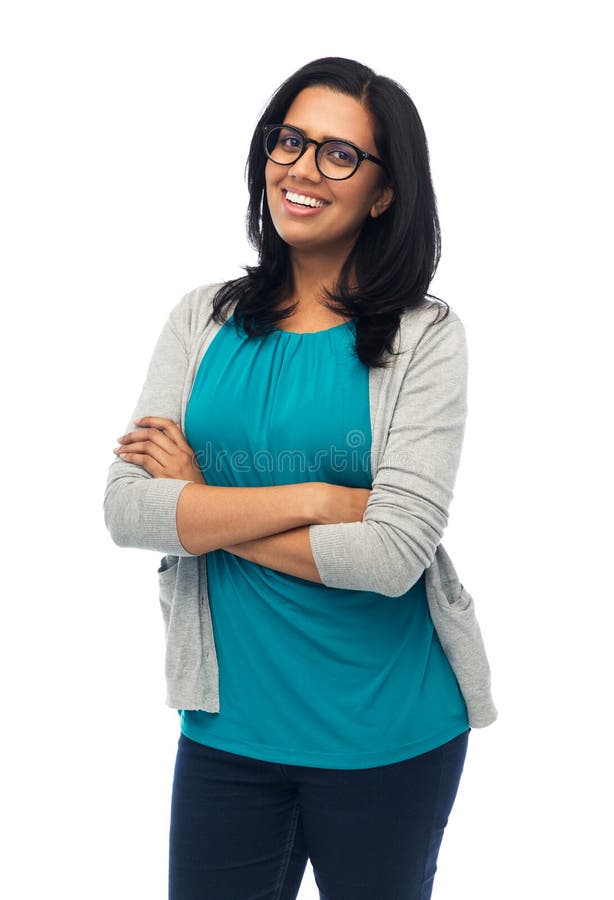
{"x": 321, "y": 112}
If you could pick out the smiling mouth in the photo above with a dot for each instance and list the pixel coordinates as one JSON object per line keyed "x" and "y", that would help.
{"x": 304, "y": 200}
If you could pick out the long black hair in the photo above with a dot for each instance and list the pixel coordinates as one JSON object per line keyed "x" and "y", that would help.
{"x": 396, "y": 254}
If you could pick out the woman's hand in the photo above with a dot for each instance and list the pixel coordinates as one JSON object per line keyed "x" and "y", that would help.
{"x": 161, "y": 449}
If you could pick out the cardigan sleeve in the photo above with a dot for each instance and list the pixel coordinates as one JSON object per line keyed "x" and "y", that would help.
{"x": 140, "y": 510}
{"x": 407, "y": 510}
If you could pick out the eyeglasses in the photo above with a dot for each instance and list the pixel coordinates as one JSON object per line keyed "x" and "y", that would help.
{"x": 284, "y": 144}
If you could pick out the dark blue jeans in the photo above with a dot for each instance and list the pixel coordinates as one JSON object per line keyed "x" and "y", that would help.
{"x": 243, "y": 829}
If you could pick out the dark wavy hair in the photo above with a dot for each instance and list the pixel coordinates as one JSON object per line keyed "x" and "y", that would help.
{"x": 396, "y": 254}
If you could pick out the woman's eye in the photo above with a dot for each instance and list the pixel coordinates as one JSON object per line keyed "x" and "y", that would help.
{"x": 341, "y": 156}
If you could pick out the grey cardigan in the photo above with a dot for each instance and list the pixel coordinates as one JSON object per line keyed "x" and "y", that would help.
{"x": 418, "y": 410}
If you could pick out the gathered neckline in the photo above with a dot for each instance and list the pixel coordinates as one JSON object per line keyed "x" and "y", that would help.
{"x": 308, "y": 333}
{"x": 348, "y": 322}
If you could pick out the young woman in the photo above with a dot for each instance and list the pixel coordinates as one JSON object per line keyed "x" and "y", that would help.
{"x": 295, "y": 460}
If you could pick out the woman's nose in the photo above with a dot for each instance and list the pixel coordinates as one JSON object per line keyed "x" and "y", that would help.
{"x": 305, "y": 165}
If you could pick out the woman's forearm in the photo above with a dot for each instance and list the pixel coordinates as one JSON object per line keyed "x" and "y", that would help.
{"x": 288, "y": 552}
{"x": 210, "y": 517}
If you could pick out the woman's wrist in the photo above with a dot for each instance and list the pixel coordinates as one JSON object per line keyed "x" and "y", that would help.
{"x": 315, "y": 502}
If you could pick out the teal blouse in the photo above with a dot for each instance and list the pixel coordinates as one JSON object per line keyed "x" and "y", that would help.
{"x": 309, "y": 675}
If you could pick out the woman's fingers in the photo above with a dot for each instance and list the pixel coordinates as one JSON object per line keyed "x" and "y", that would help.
{"x": 160, "y": 448}
{"x": 169, "y": 427}
{"x": 148, "y": 434}
{"x": 152, "y": 448}
{"x": 146, "y": 461}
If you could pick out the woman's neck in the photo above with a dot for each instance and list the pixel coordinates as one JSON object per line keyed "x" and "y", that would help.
{"x": 312, "y": 273}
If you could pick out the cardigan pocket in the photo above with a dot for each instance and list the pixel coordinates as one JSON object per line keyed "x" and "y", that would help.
{"x": 167, "y": 578}
{"x": 453, "y": 614}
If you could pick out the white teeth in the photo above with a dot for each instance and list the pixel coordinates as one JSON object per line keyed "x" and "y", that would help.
{"x": 303, "y": 200}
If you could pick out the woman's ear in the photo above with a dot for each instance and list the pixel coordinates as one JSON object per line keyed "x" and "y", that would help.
{"x": 383, "y": 202}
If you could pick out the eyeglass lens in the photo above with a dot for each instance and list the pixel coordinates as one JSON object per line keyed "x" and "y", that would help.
{"x": 336, "y": 159}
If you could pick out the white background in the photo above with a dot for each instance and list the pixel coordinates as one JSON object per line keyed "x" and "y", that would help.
{"x": 116, "y": 202}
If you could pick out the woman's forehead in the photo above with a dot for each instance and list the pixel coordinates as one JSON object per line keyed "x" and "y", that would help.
{"x": 323, "y": 114}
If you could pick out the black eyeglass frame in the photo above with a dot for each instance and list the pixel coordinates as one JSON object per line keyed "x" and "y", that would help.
{"x": 362, "y": 154}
